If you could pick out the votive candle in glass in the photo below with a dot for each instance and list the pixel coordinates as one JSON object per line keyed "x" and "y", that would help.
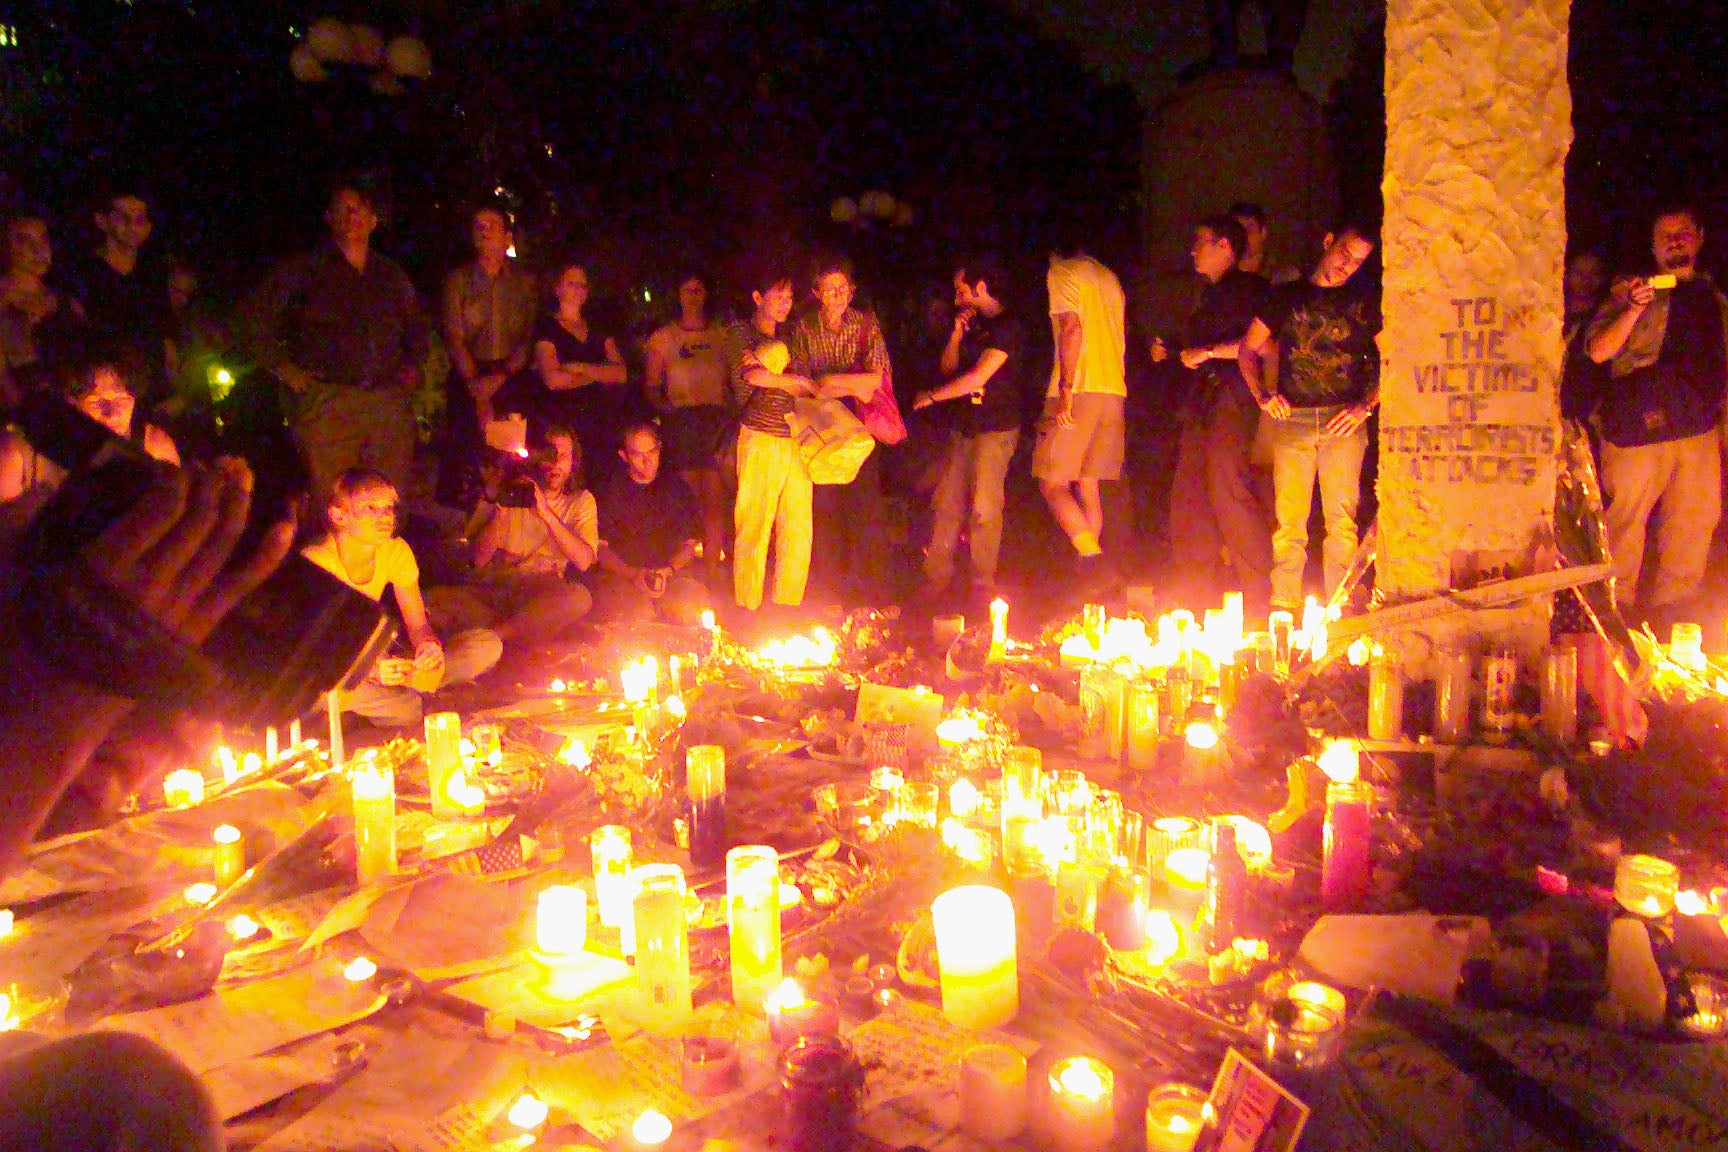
{"x": 1022, "y": 811}
{"x": 975, "y": 955}
{"x": 444, "y": 762}
{"x": 561, "y": 921}
{"x": 1646, "y": 886}
{"x": 753, "y": 922}
{"x": 662, "y": 949}
{"x": 821, "y": 1083}
{"x": 1142, "y": 724}
{"x": 373, "y": 786}
{"x": 1082, "y": 1104}
{"x": 1174, "y": 1113}
{"x": 1302, "y": 1035}
{"x": 1168, "y": 833}
{"x": 610, "y": 852}
{"x": 992, "y": 1092}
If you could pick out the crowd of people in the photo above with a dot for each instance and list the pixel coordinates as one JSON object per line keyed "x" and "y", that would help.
{"x": 576, "y": 487}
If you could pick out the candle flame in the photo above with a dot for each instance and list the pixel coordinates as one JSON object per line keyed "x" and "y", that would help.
{"x": 1341, "y": 761}
{"x": 201, "y": 893}
{"x": 575, "y": 753}
{"x": 558, "y": 686}
{"x": 964, "y": 798}
{"x": 9, "y": 1019}
{"x": 529, "y": 1111}
{"x": 1201, "y": 735}
{"x": 1084, "y": 1077}
{"x": 1690, "y": 903}
{"x": 5, "y": 923}
{"x": 960, "y": 728}
{"x": 1163, "y": 938}
{"x": 709, "y": 620}
{"x": 243, "y": 927}
{"x": 652, "y": 1128}
{"x": 360, "y": 969}
{"x": 786, "y": 997}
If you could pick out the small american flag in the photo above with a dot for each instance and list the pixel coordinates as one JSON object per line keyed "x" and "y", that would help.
{"x": 508, "y": 853}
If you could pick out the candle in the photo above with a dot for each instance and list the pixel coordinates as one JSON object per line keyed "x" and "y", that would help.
{"x": 1560, "y": 695}
{"x": 1280, "y": 624}
{"x": 1686, "y": 647}
{"x": 1316, "y": 993}
{"x": 705, "y": 773}
{"x": 1163, "y": 938}
{"x": 1082, "y": 1104}
{"x": 9, "y": 1016}
{"x": 561, "y": 921}
{"x": 975, "y": 956}
{"x": 1185, "y": 879}
{"x": 1302, "y": 1035}
{"x": 964, "y": 799}
{"x": 1499, "y": 677}
{"x": 1142, "y": 724}
{"x": 650, "y": 1131}
{"x": 662, "y": 949}
{"x": 528, "y": 1112}
{"x": 230, "y": 855}
{"x": 182, "y": 788}
{"x": 1022, "y": 810}
{"x": 227, "y": 765}
{"x": 791, "y": 1014}
{"x": 359, "y": 970}
{"x": 200, "y": 893}
{"x": 1348, "y": 871}
{"x": 6, "y": 923}
{"x": 753, "y": 919}
{"x": 821, "y": 1082}
{"x": 272, "y": 748}
{"x": 294, "y": 734}
{"x": 611, "y": 854}
{"x": 640, "y": 681}
{"x": 1452, "y": 696}
{"x": 333, "y": 705}
{"x": 1174, "y": 1113}
{"x": 1646, "y": 886}
{"x": 1102, "y": 711}
{"x": 1385, "y": 696}
{"x": 992, "y": 1092}
{"x": 1201, "y": 756}
{"x": 998, "y": 629}
{"x": 488, "y": 744}
{"x": 374, "y": 793}
{"x": 709, "y": 1063}
{"x": 443, "y": 761}
{"x": 1168, "y": 833}
{"x": 244, "y": 927}
{"x": 466, "y": 799}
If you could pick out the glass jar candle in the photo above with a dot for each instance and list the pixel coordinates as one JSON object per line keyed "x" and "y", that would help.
{"x": 1646, "y": 886}
{"x": 1560, "y": 695}
{"x": 753, "y": 923}
{"x": 610, "y": 851}
{"x": 1174, "y": 1113}
{"x": 662, "y": 948}
{"x": 821, "y": 1084}
{"x": 1022, "y": 810}
{"x": 1452, "y": 684}
{"x": 1385, "y": 696}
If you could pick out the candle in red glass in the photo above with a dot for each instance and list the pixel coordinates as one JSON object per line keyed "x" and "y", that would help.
{"x": 1344, "y": 881}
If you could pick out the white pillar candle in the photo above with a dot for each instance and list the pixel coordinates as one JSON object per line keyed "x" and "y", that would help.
{"x": 374, "y": 791}
{"x": 561, "y": 921}
{"x": 333, "y": 703}
{"x": 230, "y": 855}
{"x": 992, "y": 1092}
{"x": 1082, "y": 1104}
{"x": 975, "y": 956}
{"x": 753, "y": 922}
{"x": 443, "y": 761}
{"x": 272, "y": 748}
{"x": 610, "y": 851}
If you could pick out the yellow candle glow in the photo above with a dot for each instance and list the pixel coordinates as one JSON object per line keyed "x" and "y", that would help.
{"x": 444, "y": 762}
{"x": 227, "y": 764}
{"x": 998, "y": 628}
{"x": 529, "y": 1112}
{"x": 1341, "y": 761}
{"x": 1174, "y": 1113}
{"x": 610, "y": 851}
{"x": 651, "y": 1129}
{"x": 6, "y": 923}
{"x": 183, "y": 788}
{"x": 243, "y": 927}
{"x": 640, "y": 680}
{"x": 1646, "y": 885}
{"x": 1163, "y": 938}
{"x": 1687, "y": 903}
{"x": 230, "y": 854}
{"x": 466, "y": 799}
{"x": 561, "y": 920}
{"x": 373, "y": 788}
{"x": 969, "y": 844}
{"x": 958, "y": 730}
{"x": 963, "y": 799}
{"x": 975, "y": 956}
{"x": 753, "y": 921}
{"x": 359, "y": 970}
{"x": 9, "y": 1018}
{"x": 201, "y": 893}
{"x": 992, "y": 1092}
{"x": 1082, "y": 1104}
{"x": 1186, "y": 867}
{"x": 709, "y": 621}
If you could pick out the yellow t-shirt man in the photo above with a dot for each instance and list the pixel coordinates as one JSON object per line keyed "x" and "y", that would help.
{"x": 1085, "y": 287}
{"x": 394, "y": 564}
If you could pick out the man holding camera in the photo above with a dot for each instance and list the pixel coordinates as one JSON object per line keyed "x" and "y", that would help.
{"x": 650, "y": 527}
{"x": 364, "y": 552}
{"x": 1664, "y": 340}
{"x": 343, "y": 331}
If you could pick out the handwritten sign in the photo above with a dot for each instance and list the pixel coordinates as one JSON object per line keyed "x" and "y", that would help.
{"x": 1248, "y": 1111}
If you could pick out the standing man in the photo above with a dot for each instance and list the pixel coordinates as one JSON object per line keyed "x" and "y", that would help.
{"x": 1665, "y": 341}
{"x": 489, "y": 310}
{"x": 125, "y": 290}
{"x": 982, "y": 365}
{"x": 841, "y": 349}
{"x": 1321, "y": 331}
{"x": 1213, "y": 508}
{"x": 343, "y": 332}
{"x": 1258, "y": 233}
{"x": 1080, "y": 432}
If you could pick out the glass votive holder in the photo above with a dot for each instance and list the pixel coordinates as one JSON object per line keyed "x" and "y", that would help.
{"x": 1710, "y": 995}
{"x": 1174, "y": 1114}
{"x": 488, "y": 741}
{"x": 1646, "y": 886}
{"x": 918, "y": 804}
{"x": 1167, "y": 834}
{"x": 1303, "y": 1035}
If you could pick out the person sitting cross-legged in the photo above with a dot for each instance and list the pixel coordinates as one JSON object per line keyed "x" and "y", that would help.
{"x": 650, "y": 526}
{"x": 363, "y": 551}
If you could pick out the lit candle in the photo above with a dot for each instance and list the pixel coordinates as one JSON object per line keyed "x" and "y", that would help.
{"x": 9, "y": 1017}
{"x": 1560, "y": 695}
{"x": 1168, "y": 833}
{"x": 1173, "y": 1117}
{"x": 650, "y": 1131}
{"x": 975, "y": 956}
{"x": 227, "y": 765}
{"x": 528, "y": 1112}
{"x": 964, "y": 799}
{"x": 467, "y": 799}
{"x": 1385, "y": 696}
{"x": 6, "y": 923}
{"x": 333, "y": 704}
{"x": 1646, "y": 886}
{"x": 374, "y": 792}
{"x": 662, "y": 948}
{"x": 272, "y": 748}
{"x": 230, "y": 855}
{"x": 791, "y": 1014}
{"x": 1279, "y": 624}
{"x": 753, "y": 920}
{"x": 443, "y": 762}
{"x": 1686, "y": 647}
{"x": 1200, "y": 755}
{"x": 1185, "y": 878}
{"x": 705, "y": 809}
{"x": 182, "y": 788}
{"x": 1082, "y": 1104}
{"x": 992, "y": 1092}
{"x": 1452, "y": 695}
{"x": 244, "y": 927}
{"x": 998, "y": 628}
{"x": 561, "y": 921}
{"x": 1142, "y": 725}
{"x": 640, "y": 681}
{"x": 360, "y": 970}
{"x": 1022, "y": 810}
{"x": 200, "y": 893}
{"x": 1163, "y": 938}
{"x": 294, "y": 734}
{"x": 610, "y": 850}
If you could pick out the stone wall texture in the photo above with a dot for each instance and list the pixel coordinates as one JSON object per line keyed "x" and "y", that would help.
{"x": 1479, "y": 120}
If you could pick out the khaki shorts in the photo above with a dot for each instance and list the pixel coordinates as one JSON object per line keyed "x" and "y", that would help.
{"x": 1089, "y": 450}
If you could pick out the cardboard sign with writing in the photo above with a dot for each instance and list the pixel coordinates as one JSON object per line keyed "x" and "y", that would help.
{"x": 1249, "y": 1111}
{"x": 880, "y": 704}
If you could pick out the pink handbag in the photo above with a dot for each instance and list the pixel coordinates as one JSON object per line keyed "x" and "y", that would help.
{"x": 881, "y": 416}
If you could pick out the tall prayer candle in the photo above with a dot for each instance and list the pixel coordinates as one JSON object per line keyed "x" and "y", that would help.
{"x": 1348, "y": 870}
{"x": 753, "y": 919}
{"x": 1022, "y": 810}
{"x": 662, "y": 949}
{"x": 374, "y": 788}
{"x": 1560, "y": 694}
{"x": 1452, "y": 696}
{"x": 561, "y": 920}
{"x": 998, "y": 628}
{"x": 443, "y": 761}
{"x": 975, "y": 956}
{"x": 271, "y": 747}
{"x": 1279, "y": 624}
{"x": 705, "y": 770}
{"x": 1142, "y": 724}
{"x": 230, "y": 856}
{"x": 294, "y": 734}
{"x": 1082, "y": 1104}
{"x": 1385, "y": 696}
{"x": 610, "y": 850}
{"x": 333, "y": 705}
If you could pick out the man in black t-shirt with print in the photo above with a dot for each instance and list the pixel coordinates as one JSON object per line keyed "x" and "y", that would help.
{"x": 650, "y": 528}
{"x": 983, "y": 366}
{"x": 1327, "y": 383}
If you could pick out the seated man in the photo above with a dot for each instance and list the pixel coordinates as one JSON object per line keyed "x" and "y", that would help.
{"x": 525, "y": 588}
{"x": 650, "y": 525}
{"x": 363, "y": 551}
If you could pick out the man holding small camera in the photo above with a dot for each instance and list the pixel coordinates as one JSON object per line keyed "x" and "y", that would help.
{"x": 651, "y": 527}
{"x": 364, "y": 552}
{"x": 1664, "y": 341}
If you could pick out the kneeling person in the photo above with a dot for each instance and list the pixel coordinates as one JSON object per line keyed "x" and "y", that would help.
{"x": 649, "y": 527}
{"x": 363, "y": 551}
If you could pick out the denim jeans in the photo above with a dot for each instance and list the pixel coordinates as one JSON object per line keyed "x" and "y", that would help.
{"x": 1303, "y": 451}
{"x": 973, "y": 477}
